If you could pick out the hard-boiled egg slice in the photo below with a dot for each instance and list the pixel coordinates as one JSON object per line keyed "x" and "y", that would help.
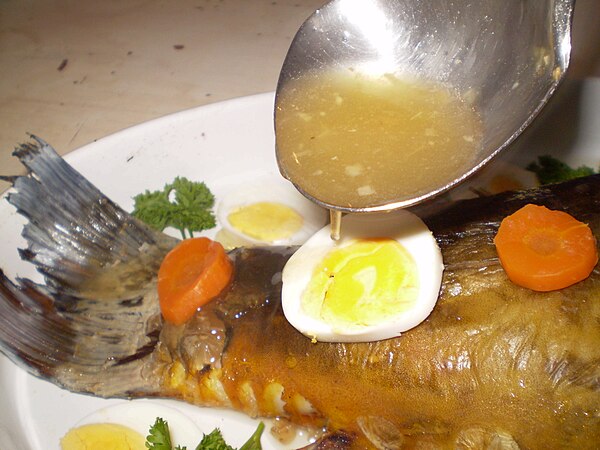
{"x": 267, "y": 211}
{"x": 126, "y": 424}
{"x": 380, "y": 279}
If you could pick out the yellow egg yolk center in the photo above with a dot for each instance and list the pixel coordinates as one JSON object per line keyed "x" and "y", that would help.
{"x": 266, "y": 221}
{"x": 103, "y": 436}
{"x": 362, "y": 284}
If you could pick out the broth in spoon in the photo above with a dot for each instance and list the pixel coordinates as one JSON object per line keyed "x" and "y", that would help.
{"x": 356, "y": 141}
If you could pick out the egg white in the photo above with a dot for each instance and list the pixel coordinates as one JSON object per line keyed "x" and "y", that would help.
{"x": 140, "y": 415}
{"x": 403, "y": 226}
{"x": 270, "y": 188}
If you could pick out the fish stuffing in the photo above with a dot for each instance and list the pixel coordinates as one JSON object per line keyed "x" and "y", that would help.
{"x": 494, "y": 366}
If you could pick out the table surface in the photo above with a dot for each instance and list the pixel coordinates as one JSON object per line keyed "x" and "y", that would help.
{"x": 73, "y": 71}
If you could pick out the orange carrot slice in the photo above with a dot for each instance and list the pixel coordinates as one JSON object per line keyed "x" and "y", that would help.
{"x": 191, "y": 274}
{"x": 545, "y": 250}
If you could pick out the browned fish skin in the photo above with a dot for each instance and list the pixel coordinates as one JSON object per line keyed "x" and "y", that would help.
{"x": 494, "y": 364}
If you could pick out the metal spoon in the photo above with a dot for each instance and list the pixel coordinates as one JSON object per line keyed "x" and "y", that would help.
{"x": 512, "y": 53}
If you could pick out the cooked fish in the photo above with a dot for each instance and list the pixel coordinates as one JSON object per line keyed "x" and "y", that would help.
{"x": 494, "y": 366}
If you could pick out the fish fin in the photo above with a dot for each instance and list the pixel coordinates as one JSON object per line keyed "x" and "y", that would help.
{"x": 80, "y": 350}
{"x": 476, "y": 438}
{"x": 80, "y": 240}
{"x": 27, "y": 330}
{"x": 92, "y": 324}
{"x": 8, "y": 178}
{"x": 382, "y": 433}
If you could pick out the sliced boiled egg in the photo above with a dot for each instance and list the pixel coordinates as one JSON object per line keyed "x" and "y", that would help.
{"x": 380, "y": 279}
{"x": 267, "y": 211}
{"x": 126, "y": 425}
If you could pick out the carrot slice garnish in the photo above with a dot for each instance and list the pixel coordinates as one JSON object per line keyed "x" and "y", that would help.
{"x": 191, "y": 274}
{"x": 545, "y": 250}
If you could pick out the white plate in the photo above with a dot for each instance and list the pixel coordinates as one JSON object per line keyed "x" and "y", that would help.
{"x": 222, "y": 144}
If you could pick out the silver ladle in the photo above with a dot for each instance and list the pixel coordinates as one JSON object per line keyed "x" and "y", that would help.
{"x": 512, "y": 53}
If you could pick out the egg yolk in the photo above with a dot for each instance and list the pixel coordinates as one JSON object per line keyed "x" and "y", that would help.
{"x": 362, "y": 284}
{"x": 103, "y": 436}
{"x": 266, "y": 221}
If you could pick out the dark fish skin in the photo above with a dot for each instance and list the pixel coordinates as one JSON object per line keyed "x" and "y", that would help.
{"x": 494, "y": 365}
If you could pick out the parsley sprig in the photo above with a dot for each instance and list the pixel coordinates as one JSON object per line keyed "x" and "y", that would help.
{"x": 183, "y": 204}
{"x": 159, "y": 438}
{"x": 551, "y": 170}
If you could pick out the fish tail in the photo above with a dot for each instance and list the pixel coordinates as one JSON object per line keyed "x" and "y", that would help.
{"x": 35, "y": 340}
{"x": 73, "y": 230}
{"x": 96, "y": 318}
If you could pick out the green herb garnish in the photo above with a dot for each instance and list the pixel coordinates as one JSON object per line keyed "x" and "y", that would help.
{"x": 254, "y": 442}
{"x": 551, "y": 170}
{"x": 182, "y": 204}
{"x": 159, "y": 438}
{"x": 213, "y": 441}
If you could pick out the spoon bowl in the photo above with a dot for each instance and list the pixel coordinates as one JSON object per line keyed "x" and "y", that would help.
{"x": 506, "y": 57}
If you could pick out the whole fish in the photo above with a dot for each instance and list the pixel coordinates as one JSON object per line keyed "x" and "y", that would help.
{"x": 494, "y": 366}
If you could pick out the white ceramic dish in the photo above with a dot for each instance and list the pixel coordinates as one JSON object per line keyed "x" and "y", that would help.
{"x": 222, "y": 144}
